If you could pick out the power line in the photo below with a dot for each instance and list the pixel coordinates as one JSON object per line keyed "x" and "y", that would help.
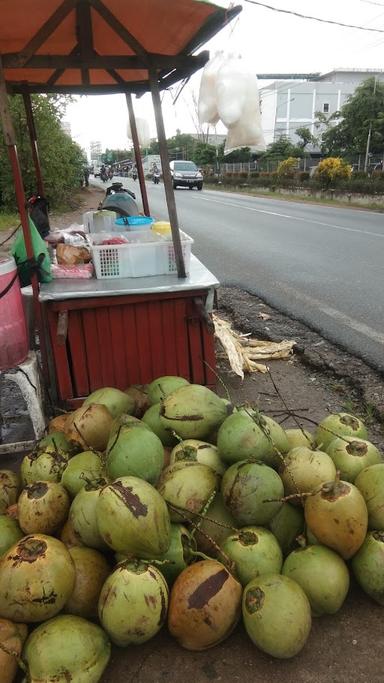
{"x": 323, "y": 21}
{"x": 371, "y": 2}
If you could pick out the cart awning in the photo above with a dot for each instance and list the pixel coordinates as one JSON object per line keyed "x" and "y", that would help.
{"x": 104, "y": 46}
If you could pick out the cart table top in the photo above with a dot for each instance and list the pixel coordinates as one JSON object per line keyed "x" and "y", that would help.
{"x": 199, "y": 278}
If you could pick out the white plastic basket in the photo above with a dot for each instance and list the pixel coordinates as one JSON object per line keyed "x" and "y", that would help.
{"x": 146, "y": 253}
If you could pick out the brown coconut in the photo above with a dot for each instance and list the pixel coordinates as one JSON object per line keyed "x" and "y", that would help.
{"x": 205, "y": 605}
{"x": 90, "y": 426}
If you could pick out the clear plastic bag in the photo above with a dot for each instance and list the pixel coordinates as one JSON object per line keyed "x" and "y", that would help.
{"x": 232, "y": 84}
{"x": 142, "y": 132}
{"x": 207, "y": 106}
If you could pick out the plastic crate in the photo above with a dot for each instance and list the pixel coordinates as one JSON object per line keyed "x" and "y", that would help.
{"x": 144, "y": 254}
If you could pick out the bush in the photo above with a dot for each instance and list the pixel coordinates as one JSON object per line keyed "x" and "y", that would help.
{"x": 287, "y": 167}
{"x": 331, "y": 170}
{"x": 303, "y": 176}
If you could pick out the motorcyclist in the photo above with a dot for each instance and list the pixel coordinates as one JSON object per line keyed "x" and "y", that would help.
{"x": 134, "y": 172}
{"x": 155, "y": 173}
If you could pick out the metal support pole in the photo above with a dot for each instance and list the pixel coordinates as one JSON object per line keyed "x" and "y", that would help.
{"x": 33, "y": 139}
{"x": 167, "y": 178}
{"x": 10, "y": 141}
{"x": 136, "y": 147}
{"x": 369, "y": 136}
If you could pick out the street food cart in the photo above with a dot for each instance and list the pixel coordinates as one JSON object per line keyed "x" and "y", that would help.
{"x": 112, "y": 332}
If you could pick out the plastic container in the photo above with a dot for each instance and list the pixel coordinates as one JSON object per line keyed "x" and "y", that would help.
{"x": 99, "y": 221}
{"x": 133, "y": 223}
{"x": 13, "y": 330}
{"x": 162, "y": 227}
{"x": 144, "y": 254}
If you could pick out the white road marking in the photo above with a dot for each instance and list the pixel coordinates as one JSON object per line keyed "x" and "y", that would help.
{"x": 295, "y": 218}
{"x": 337, "y": 315}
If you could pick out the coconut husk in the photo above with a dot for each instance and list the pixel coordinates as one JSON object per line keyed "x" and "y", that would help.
{"x": 243, "y": 352}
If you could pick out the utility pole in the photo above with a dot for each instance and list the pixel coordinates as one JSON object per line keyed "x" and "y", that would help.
{"x": 369, "y": 137}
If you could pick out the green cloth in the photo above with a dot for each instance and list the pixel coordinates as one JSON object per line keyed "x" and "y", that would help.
{"x": 41, "y": 254}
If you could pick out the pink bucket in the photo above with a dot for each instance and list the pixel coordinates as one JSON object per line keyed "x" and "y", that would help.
{"x": 13, "y": 331}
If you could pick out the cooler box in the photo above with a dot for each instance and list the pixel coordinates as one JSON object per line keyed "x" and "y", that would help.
{"x": 13, "y": 331}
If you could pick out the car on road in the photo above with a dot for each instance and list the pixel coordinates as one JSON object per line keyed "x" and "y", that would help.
{"x": 186, "y": 174}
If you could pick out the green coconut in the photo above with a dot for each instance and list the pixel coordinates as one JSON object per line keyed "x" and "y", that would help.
{"x": 133, "y": 603}
{"x": 336, "y": 513}
{"x": 92, "y": 570}
{"x": 83, "y": 468}
{"x": 337, "y": 425}
{"x": 47, "y": 465}
{"x": 352, "y": 455}
{"x": 368, "y": 566}
{"x": 133, "y": 518}
{"x": 286, "y": 525}
{"x": 66, "y": 648}
{"x": 323, "y": 576}
{"x": 370, "y": 483}
{"x": 82, "y": 516}
{"x": 240, "y": 438}
{"x": 277, "y": 615}
{"x": 135, "y": 452}
{"x": 193, "y": 411}
{"x": 299, "y": 437}
{"x": 215, "y": 527}
{"x": 117, "y": 402}
{"x": 179, "y": 554}
{"x": 9, "y": 489}
{"x": 37, "y": 577}
{"x": 126, "y": 421}
{"x": 193, "y": 450}
{"x": 58, "y": 440}
{"x": 43, "y": 507}
{"x": 163, "y": 386}
{"x": 10, "y": 533}
{"x": 304, "y": 469}
{"x": 151, "y": 417}
{"x": 254, "y": 552}
{"x": 252, "y": 492}
{"x": 187, "y": 487}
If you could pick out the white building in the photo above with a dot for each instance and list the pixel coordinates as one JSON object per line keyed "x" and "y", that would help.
{"x": 288, "y": 105}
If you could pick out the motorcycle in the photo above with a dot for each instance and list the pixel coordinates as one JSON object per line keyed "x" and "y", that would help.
{"x": 104, "y": 176}
{"x": 156, "y": 177}
{"x": 119, "y": 199}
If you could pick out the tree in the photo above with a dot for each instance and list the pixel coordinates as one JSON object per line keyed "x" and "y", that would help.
{"x": 282, "y": 148}
{"x": 204, "y": 154}
{"x": 363, "y": 109}
{"x": 62, "y": 160}
{"x": 305, "y": 136}
{"x": 111, "y": 156}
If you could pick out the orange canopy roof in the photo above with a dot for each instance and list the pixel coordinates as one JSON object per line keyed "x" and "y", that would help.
{"x": 95, "y": 46}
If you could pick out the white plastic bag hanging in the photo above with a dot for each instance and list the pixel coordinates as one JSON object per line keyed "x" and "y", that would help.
{"x": 142, "y": 132}
{"x": 232, "y": 82}
{"x": 207, "y": 107}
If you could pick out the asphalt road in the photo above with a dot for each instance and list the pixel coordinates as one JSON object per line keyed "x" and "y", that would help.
{"x": 321, "y": 265}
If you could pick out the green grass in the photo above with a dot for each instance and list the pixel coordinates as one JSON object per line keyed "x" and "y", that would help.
{"x": 9, "y": 221}
{"x": 370, "y": 205}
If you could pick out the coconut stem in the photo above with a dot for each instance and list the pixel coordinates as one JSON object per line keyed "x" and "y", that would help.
{"x": 219, "y": 379}
{"x": 286, "y": 499}
{"x": 183, "y": 511}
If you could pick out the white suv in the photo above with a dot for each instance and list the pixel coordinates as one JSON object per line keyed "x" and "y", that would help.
{"x": 186, "y": 174}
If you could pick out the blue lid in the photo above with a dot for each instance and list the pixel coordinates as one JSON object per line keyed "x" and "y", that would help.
{"x": 134, "y": 220}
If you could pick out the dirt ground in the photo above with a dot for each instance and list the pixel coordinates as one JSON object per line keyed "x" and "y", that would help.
{"x": 318, "y": 379}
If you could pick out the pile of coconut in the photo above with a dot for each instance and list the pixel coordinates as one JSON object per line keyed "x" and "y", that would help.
{"x": 171, "y": 505}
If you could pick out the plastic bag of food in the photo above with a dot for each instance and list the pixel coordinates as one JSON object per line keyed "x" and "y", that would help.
{"x": 67, "y": 255}
{"x": 142, "y": 132}
{"x": 83, "y": 271}
{"x": 207, "y": 106}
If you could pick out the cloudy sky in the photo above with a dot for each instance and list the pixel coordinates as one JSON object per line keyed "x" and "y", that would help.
{"x": 271, "y": 41}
